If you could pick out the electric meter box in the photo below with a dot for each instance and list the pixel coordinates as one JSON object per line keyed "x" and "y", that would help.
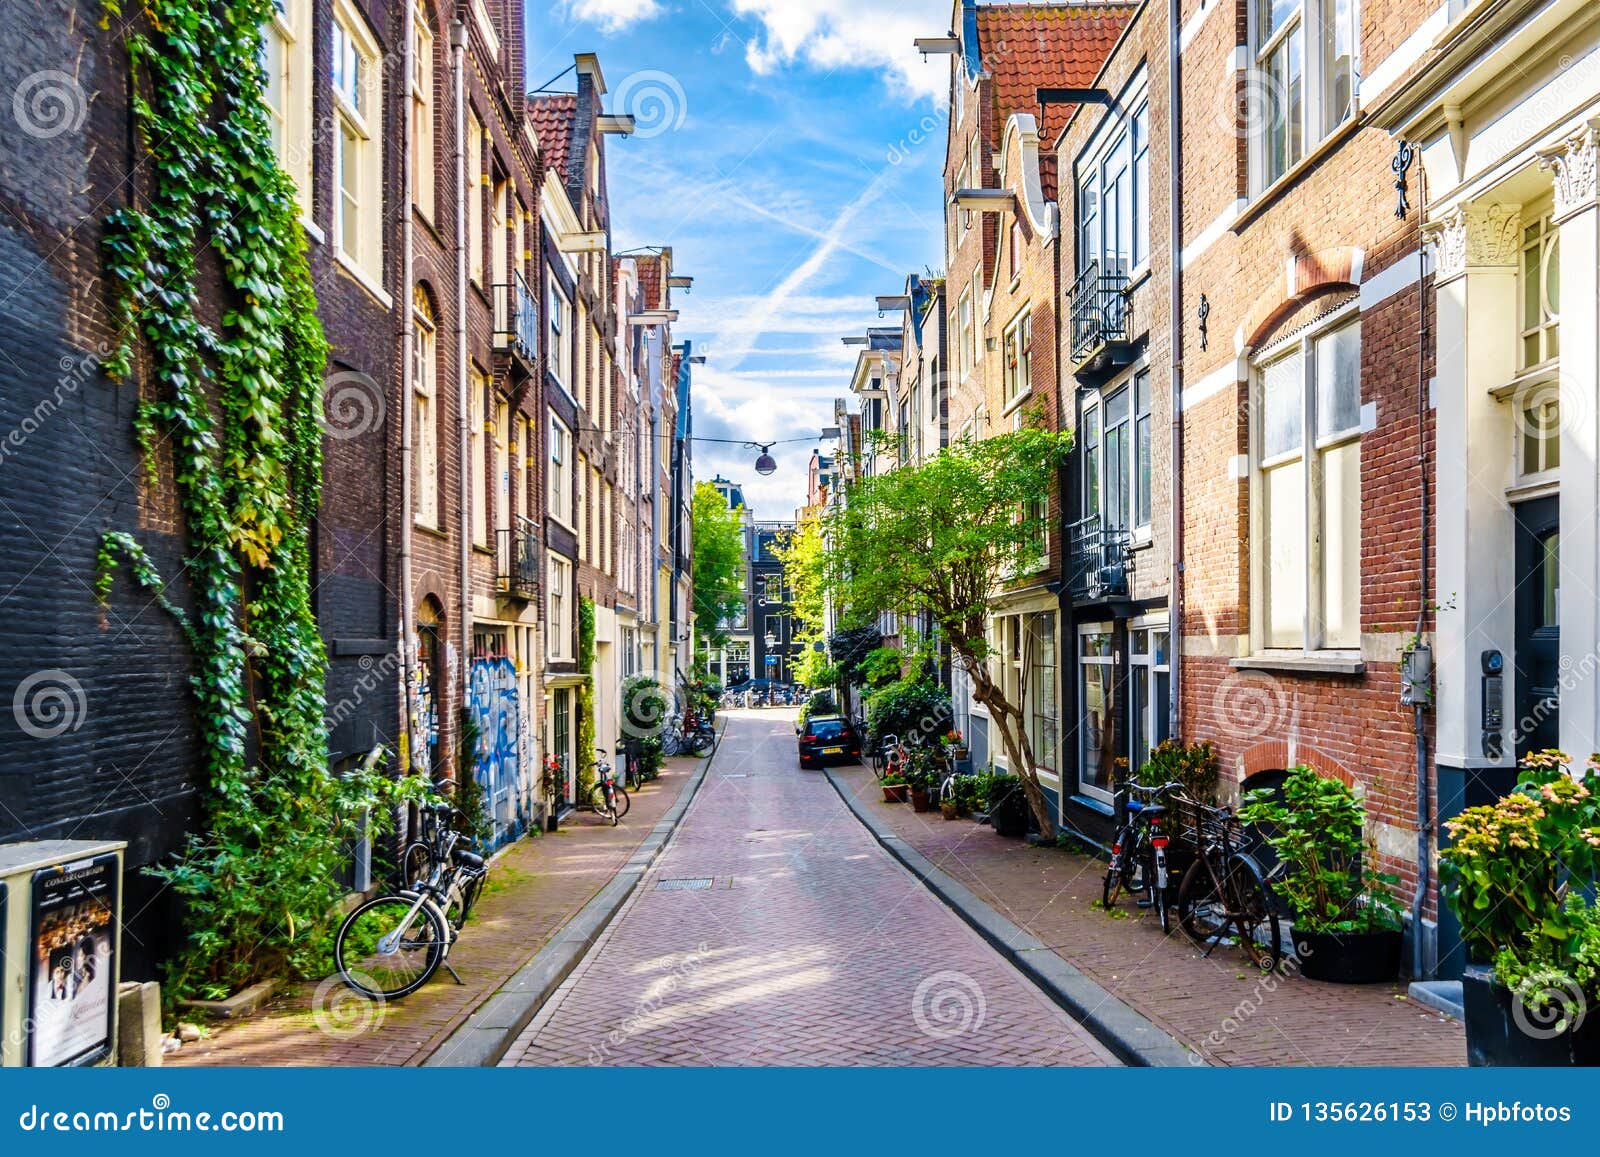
{"x": 60, "y": 952}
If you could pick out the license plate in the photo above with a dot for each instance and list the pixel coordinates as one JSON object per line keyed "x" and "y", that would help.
{"x": 833, "y": 751}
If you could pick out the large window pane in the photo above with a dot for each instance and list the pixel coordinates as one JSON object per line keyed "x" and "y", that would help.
{"x": 1272, "y": 15}
{"x": 1142, "y": 433}
{"x": 1284, "y": 529}
{"x": 1115, "y": 469}
{"x": 1341, "y": 546}
{"x": 1098, "y": 743}
{"x": 1282, "y": 423}
{"x": 1338, "y": 356}
{"x": 1338, "y": 68}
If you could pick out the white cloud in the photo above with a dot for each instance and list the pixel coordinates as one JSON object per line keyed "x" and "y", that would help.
{"x": 858, "y": 34}
{"x": 612, "y": 15}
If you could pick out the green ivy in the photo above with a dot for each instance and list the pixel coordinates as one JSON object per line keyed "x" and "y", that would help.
{"x": 235, "y": 399}
{"x": 586, "y": 732}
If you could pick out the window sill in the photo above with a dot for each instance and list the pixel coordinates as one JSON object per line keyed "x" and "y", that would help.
{"x": 1016, "y": 403}
{"x": 429, "y": 529}
{"x": 1260, "y": 202}
{"x": 364, "y": 280}
{"x": 1092, "y": 804}
{"x": 313, "y": 230}
{"x": 1347, "y": 663}
{"x": 480, "y": 548}
{"x": 1143, "y": 539}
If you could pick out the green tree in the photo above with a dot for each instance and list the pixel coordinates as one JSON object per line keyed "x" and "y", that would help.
{"x": 940, "y": 539}
{"x": 805, "y": 575}
{"x": 718, "y": 563}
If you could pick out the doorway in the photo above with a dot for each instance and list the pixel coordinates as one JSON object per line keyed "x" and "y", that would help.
{"x": 1538, "y": 626}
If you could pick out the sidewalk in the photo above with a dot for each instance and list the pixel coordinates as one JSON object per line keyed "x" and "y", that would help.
{"x": 535, "y": 888}
{"x": 1217, "y": 1006}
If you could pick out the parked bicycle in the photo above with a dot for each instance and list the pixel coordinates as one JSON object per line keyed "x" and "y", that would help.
{"x": 684, "y": 735}
{"x": 1139, "y": 852}
{"x": 392, "y": 945}
{"x": 1224, "y": 894}
{"x": 890, "y": 757}
{"x": 609, "y": 800}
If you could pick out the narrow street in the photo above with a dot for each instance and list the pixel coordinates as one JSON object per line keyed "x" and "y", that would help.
{"x": 775, "y": 931}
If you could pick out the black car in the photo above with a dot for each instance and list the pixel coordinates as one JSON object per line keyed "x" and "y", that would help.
{"x": 828, "y": 737}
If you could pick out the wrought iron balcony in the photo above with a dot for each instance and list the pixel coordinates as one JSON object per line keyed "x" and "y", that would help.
{"x": 1100, "y": 317}
{"x": 516, "y": 320}
{"x": 517, "y": 556}
{"x": 1098, "y": 564}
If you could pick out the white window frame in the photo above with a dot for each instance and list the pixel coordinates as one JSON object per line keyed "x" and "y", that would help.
{"x": 286, "y": 61}
{"x": 1311, "y": 454}
{"x": 559, "y": 470}
{"x": 1016, "y": 353}
{"x": 1116, "y": 169}
{"x": 478, "y": 429}
{"x": 1153, "y": 663}
{"x": 1311, "y": 20}
{"x": 559, "y": 310}
{"x": 559, "y": 598}
{"x": 966, "y": 329}
{"x": 423, "y": 152}
{"x": 425, "y": 387}
{"x": 1140, "y": 490}
{"x": 1541, "y": 242}
{"x": 474, "y": 198}
{"x": 358, "y": 127}
{"x": 1105, "y": 795}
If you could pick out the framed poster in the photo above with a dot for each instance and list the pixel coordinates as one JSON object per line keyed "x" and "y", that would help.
{"x": 72, "y": 963}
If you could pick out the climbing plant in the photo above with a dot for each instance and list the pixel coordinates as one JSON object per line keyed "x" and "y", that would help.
{"x": 586, "y": 731}
{"x": 233, "y": 395}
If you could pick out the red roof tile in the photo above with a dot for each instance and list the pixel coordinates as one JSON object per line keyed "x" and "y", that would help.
{"x": 553, "y": 116}
{"x": 650, "y": 280}
{"x": 1026, "y": 47}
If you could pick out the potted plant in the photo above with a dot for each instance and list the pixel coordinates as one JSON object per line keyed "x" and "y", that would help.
{"x": 1517, "y": 874}
{"x": 894, "y": 787}
{"x": 950, "y": 809}
{"x": 956, "y": 745}
{"x": 1008, "y": 807}
{"x": 1346, "y": 922}
{"x": 922, "y": 780}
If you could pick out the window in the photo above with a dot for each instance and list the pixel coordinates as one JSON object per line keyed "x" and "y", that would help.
{"x": 1539, "y": 431}
{"x": 523, "y": 458}
{"x": 422, "y": 151}
{"x": 966, "y": 343}
{"x": 286, "y": 61}
{"x": 557, "y": 482}
{"x": 582, "y": 493}
{"x": 1097, "y": 737}
{"x": 1114, "y": 199}
{"x": 474, "y": 196}
{"x": 425, "y": 416}
{"x": 1019, "y": 358}
{"x": 502, "y": 463}
{"x": 1044, "y": 723}
{"x": 963, "y": 216}
{"x": 1539, "y": 289}
{"x": 358, "y": 144}
{"x": 1149, "y": 691}
{"x": 1307, "y": 530}
{"x": 477, "y": 461}
{"x": 559, "y": 642}
{"x": 499, "y": 235}
{"x": 1016, "y": 246}
{"x": 1305, "y": 57}
{"x": 560, "y": 313}
{"x": 1117, "y": 439}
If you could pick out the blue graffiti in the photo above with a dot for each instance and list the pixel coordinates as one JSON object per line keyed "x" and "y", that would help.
{"x": 495, "y": 708}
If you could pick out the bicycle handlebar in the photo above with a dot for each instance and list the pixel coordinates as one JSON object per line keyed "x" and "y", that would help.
{"x": 1161, "y": 790}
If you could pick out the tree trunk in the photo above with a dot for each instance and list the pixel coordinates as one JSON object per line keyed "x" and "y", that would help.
{"x": 1014, "y": 735}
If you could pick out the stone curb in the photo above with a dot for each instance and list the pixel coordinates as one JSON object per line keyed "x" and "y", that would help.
{"x": 488, "y": 1034}
{"x": 1134, "y": 1039}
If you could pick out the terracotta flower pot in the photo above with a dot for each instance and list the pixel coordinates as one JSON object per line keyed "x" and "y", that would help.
{"x": 895, "y": 792}
{"x": 949, "y": 810}
{"x": 921, "y": 799}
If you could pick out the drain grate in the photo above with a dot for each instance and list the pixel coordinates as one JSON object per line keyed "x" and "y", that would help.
{"x": 691, "y": 884}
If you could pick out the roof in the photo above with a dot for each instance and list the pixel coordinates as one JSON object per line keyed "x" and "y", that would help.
{"x": 650, "y": 280}
{"x": 553, "y": 116}
{"x": 1027, "y": 47}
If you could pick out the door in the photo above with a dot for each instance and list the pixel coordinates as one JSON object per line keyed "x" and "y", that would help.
{"x": 1538, "y": 603}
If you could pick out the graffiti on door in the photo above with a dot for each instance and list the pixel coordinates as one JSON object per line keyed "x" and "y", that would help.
{"x": 495, "y": 709}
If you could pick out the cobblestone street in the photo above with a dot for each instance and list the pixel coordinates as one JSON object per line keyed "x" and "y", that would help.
{"x": 775, "y": 931}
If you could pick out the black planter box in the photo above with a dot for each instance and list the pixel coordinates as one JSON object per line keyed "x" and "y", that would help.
{"x": 1348, "y": 957}
{"x": 1495, "y": 1039}
{"x": 1009, "y": 813}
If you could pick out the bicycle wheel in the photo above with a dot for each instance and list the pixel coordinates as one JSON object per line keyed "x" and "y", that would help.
{"x": 1202, "y": 908}
{"x": 602, "y": 804}
{"x": 622, "y": 802}
{"x": 416, "y": 864}
{"x": 671, "y": 742}
{"x": 1160, "y": 897}
{"x": 1253, "y": 914}
{"x": 1118, "y": 875}
{"x": 700, "y": 742}
{"x": 386, "y": 951}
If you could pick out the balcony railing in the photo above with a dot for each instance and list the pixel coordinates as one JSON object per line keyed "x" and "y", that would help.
{"x": 517, "y": 555}
{"x": 1098, "y": 313}
{"x": 516, "y": 319}
{"x": 1098, "y": 564}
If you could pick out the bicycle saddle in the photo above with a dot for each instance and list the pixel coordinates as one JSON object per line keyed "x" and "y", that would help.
{"x": 469, "y": 860}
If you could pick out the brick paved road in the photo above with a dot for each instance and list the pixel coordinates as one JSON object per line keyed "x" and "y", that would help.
{"x": 810, "y": 947}
{"x": 1216, "y": 1005}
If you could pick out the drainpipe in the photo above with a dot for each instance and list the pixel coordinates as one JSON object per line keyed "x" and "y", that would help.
{"x": 1175, "y": 278}
{"x": 458, "y": 45}
{"x": 408, "y": 336}
{"x": 1424, "y": 808}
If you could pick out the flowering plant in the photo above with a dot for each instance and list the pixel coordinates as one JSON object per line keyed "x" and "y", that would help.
{"x": 1517, "y": 870}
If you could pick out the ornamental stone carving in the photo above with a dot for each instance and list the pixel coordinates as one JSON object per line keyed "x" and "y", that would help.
{"x": 1577, "y": 176}
{"x": 1477, "y": 237}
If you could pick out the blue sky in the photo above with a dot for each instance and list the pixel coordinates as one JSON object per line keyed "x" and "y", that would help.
{"x": 779, "y": 156}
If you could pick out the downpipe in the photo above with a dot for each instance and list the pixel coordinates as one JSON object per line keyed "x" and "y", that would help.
{"x": 1175, "y": 277}
{"x": 458, "y": 46}
{"x": 408, "y": 337}
{"x": 1419, "y": 969}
